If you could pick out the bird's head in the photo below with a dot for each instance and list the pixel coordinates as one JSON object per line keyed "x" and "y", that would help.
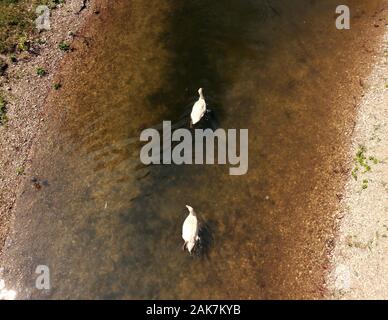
{"x": 191, "y": 210}
{"x": 200, "y": 92}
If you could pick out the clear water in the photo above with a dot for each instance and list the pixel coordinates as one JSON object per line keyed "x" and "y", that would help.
{"x": 109, "y": 227}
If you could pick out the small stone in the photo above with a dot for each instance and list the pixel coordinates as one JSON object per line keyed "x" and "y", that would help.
{"x": 79, "y": 5}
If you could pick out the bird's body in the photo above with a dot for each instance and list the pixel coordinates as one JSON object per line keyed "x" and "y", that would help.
{"x": 190, "y": 230}
{"x": 199, "y": 108}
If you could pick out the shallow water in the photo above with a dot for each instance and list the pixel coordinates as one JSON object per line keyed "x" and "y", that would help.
{"x": 109, "y": 227}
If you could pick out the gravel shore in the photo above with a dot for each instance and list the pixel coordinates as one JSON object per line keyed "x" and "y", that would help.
{"x": 359, "y": 261}
{"x": 26, "y": 93}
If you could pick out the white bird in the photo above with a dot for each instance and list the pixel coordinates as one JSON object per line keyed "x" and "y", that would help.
{"x": 199, "y": 108}
{"x": 190, "y": 230}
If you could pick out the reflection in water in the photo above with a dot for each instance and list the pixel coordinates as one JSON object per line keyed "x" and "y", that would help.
{"x": 110, "y": 227}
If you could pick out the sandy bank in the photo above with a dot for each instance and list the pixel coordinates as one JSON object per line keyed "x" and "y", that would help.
{"x": 359, "y": 263}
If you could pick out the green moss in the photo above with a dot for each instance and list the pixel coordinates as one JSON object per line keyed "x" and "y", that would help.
{"x": 23, "y": 44}
{"x": 40, "y": 72}
{"x": 64, "y": 46}
{"x": 374, "y": 160}
{"x": 13, "y": 58}
{"x": 367, "y": 168}
{"x": 52, "y": 4}
{"x": 360, "y": 155}
{"x": 57, "y": 86}
{"x": 354, "y": 172}
{"x": 361, "y": 161}
{"x": 20, "y": 171}
{"x": 40, "y": 41}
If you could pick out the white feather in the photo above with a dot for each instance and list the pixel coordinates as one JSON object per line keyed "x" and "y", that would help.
{"x": 199, "y": 108}
{"x": 190, "y": 229}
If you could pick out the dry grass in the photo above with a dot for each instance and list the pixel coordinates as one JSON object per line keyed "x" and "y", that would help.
{"x": 17, "y": 22}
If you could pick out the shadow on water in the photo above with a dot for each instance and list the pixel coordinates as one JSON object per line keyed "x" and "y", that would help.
{"x": 206, "y": 234}
{"x": 200, "y": 34}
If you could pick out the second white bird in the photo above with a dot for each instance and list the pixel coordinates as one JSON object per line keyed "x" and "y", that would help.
{"x": 199, "y": 108}
{"x": 190, "y": 230}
